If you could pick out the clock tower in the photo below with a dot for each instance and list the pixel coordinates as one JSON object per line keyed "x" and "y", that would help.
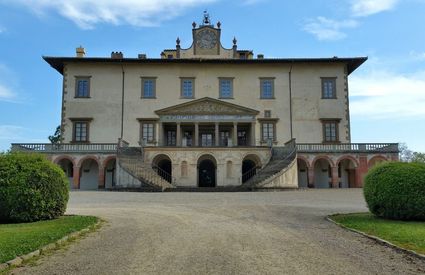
{"x": 206, "y": 38}
{"x": 206, "y": 44}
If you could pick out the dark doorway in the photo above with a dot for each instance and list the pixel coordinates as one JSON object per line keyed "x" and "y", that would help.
{"x": 163, "y": 168}
{"x": 206, "y": 173}
{"x": 248, "y": 170}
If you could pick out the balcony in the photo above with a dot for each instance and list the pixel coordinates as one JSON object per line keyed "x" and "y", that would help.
{"x": 65, "y": 147}
{"x": 348, "y": 148}
{"x": 112, "y": 147}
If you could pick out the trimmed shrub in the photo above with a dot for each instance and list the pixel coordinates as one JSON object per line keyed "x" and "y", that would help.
{"x": 31, "y": 188}
{"x": 396, "y": 190}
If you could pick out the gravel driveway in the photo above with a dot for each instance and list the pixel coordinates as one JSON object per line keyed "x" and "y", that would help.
{"x": 222, "y": 233}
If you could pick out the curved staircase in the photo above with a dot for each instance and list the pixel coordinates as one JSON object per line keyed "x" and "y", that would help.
{"x": 130, "y": 159}
{"x": 281, "y": 161}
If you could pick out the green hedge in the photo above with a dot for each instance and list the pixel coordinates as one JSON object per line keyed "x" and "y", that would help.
{"x": 31, "y": 188}
{"x": 396, "y": 190}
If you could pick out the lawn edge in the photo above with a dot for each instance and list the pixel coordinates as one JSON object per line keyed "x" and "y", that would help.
{"x": 375, "y": 238}
{"x": 49, "y": 247}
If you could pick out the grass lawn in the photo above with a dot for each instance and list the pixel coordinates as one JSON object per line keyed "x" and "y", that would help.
{"x": 406, "y": 234}
{"x": 22, "y": 238}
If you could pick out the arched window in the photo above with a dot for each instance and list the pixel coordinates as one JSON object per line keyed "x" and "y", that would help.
{"x": 184, "y": 169}
{"x": 229, "y": 168}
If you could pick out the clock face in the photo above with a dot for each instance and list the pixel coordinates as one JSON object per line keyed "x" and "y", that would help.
{"x": 206, "y": 39}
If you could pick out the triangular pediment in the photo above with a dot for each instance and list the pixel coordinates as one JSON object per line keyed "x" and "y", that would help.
{"x": 207, "y": 106}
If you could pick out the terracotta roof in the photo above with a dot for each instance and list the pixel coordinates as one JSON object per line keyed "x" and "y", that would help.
{"x": 58, "y": 62}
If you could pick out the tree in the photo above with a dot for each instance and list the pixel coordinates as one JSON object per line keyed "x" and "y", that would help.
{"x": 418, "y": 157}
{"x": 57, "y": 136}
{"x": 405, "y": 154}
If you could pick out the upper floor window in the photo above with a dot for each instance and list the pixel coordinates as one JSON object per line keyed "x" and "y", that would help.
{"x": 226, "y": 87}
{"x": 330, "y": 130}
{"x": 328, "y": 87}
{"x": 82, "y": 86}
{"x": 80, "y": 129}
{"x": 266, "y": 88}
{"x": 148, "y": 87}
{"x": 187, "y": 87}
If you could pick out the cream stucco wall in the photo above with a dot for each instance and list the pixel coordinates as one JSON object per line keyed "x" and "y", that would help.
{"x": 104, "y": 104}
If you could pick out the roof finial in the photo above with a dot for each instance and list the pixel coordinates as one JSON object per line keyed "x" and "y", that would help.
{"x": 234, "y": 41}
{"x": 178, "y": 41}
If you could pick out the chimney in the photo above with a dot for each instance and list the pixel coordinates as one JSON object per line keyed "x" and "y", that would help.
{"x": 260, "y": 56}
{"x": 142, "y": 56}
{"x": 117, "y": 55}
{"x": 80, "y": 52}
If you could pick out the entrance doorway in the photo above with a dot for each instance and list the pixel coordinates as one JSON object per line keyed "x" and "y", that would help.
{"x": 206, "y": 171}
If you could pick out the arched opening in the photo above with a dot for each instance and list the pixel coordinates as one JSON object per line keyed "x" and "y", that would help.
{"x": 89, "y": 175}
{"x": 110, "y": 173}
{"x": 163, "y": 167}
{"x": 302, "y": 173}
{"x": 250, "y": 165}
{"x": 375, "y": 160}
{"x": 249, "y": 169}
{"x": 68, "y": 168}
{"x": 322, "y": 174}
{"x": 347, "y": 173}
{"x": 207, "y": 171}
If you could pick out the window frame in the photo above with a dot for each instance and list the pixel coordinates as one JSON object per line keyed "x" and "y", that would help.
{"x": 142, "y": 131}
{"x": 335, "y": 122}
{"x": 144, "y": 79}
{"x": 268, "y": 122}
{"x": 262, "y": 81}
{"x": 182, "y": 80}
{"x": 324, "y": 93}
{"x": 220, "y": 94}
{"x": 79, "y": 78}
{"x": 76, "y": 121}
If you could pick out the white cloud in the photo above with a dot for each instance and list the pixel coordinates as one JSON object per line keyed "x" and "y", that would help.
{"x": 417, "y": 55}
{"x": 328, "y": 29}
{"x": 8, "y": 132}
{"x": 369, "y": 7}
{"x": 86, "y": 13}
{"x": 252, "y": 2}
{"x": 5, "y": 93}
{"x": 381, "y": 95}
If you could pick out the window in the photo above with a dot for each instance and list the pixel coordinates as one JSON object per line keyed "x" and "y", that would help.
{"x": 242, "y": 138}
{"x": 226, "y": 87}
{"x": 206, "y": 139}
{"x": 80, "y": 129}
{"x": 268, "y": 113}
{"x": 328, "y": 87}
{"x": 268, "y": 131}
{"x": 224, "y": 138}
{"x": 82, "y": 86}
{"x": 148, "y": 87}
{"x": 187, "y": 87}
{"x": 171, "y": 138}
{"x": 267, "y": 88}
{"x": 148, "y": 133}
{"x": 330, "y": 130}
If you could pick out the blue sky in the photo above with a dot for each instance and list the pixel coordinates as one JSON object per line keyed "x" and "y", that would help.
{"x": 387, "y": 93}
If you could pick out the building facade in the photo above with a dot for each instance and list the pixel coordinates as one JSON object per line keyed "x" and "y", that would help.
{"x": 208, "y": 116}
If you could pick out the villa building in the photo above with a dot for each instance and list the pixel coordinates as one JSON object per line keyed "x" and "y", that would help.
{"x": 208, "y": 116}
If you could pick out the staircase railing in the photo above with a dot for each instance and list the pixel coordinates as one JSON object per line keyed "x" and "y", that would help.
{"x": 284, "y": 155}
{"x": 249, "y": 174}
{"x": 131, "y": 160}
